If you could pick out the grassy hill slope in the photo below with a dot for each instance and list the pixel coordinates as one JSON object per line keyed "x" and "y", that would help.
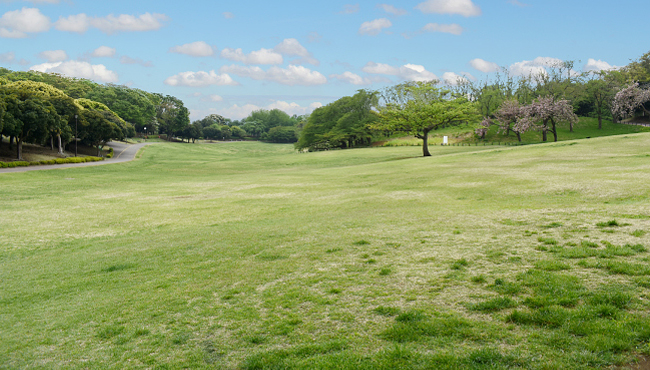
{"x": 250, "y": 255}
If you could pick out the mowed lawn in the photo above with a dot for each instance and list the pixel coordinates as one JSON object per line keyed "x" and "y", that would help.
{"x": 251, "y": 255}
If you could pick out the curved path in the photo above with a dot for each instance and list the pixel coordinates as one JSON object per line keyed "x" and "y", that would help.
{"x": 122, "y": 153}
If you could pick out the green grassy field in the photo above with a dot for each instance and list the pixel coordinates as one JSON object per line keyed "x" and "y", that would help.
{"x": 253, "y": 256}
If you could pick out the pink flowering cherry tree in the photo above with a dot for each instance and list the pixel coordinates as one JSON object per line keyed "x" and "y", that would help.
{"x": 545, "y": 114}
{"x": 629, "y": 99}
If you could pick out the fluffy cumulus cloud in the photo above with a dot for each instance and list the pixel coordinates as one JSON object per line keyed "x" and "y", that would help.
{"x": 262, "y": 56}
{"x": 194, "y": 49}
{"x": 352, "y": 78}
{"x": 465, "y": 8}
{"x": 53, "y": 56}
{"x": 200, "y": 79}
{"x": 112, "y": 24}
{"x": 20, "y": 23}
{"x": 373, "y": 28}
{"x": 292, "y": 75}
{"x": 534, "y": 67}
{"x": 79, "y": 69}
{"x": 103, "y": 52}
{"x": 293, "y": 48}
{"x": 410, "y": 72}
{"x": 598, "y": 65}
{"x": 483, "y": 65}
{"x": 453, "y": 79}
{"x": 390, "y": 9}
{"x": 453, "y": 28}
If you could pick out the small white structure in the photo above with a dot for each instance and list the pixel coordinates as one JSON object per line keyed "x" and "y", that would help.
{"x": 445, "y": 140}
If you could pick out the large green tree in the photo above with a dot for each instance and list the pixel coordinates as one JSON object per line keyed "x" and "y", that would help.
{"x": 421, "y": 107}
{"x": 343, "y": 123}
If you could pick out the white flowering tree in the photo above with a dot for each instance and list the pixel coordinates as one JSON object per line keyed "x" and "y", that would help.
{"x": 629, "y": 99}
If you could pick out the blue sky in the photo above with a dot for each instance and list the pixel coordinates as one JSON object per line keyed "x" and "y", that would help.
{"x": 230, "y": 57}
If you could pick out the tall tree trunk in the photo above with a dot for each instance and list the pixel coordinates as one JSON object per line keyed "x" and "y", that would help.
{"x": 52, "y": 142}
{"x": 600, "y": 121}
{"x": 425, "y": 144}
{"x": 60, "y": 145}
{"x": 554, "y": 130}
{"x": 518, "y": 136}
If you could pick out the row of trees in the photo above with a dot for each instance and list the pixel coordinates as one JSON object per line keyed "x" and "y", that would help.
{"x": 36, "y": 107}
{"x": 540, "y": 102}
{"x": 268, "y": 125}
{"x": 36, "y": 112}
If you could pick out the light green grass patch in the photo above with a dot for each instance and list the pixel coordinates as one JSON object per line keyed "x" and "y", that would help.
{"x": 245, "y": 255}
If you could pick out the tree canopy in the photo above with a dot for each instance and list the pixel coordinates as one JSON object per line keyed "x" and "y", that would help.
{"x": 420, "y": 107}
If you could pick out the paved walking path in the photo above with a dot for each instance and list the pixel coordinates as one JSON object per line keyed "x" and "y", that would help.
{"x": 122, "y": 152}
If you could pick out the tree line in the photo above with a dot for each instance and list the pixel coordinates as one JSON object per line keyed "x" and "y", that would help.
{"x": 272, "y": 125}
{"x": 38, "y": 107}
{"x": 555, "y": 96}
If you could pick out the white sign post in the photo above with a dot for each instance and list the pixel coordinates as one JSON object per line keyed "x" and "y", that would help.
{"x": 445, "y": 140}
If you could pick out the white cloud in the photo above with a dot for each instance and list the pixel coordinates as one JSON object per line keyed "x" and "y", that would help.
{"x": 53, "y": 56}
{"x": 373, "y": 28}
{"x": 262, "y": 56}
{"x": 124, "y": 59}
{"x": 194, "y": 49}
{"x": 535, "y": 67}
{"x": 215, "y": 98}
{"x": 451, "y": 78}
{"x": 292, "y": 75}
{"x": 238, "y": 112}
{"x": 352, "y": 78}
{"x": 19, "y": 23}
{"x": 74, "y": 68}
{"x": 200, "y": 79}
{"x": 411, "y": 72}
{"x": 8, "y": 57}
{"x": 112, "y": 24}
{"x": 12, "y": 34}
{"x": 291, "y": 47}
{"x": 103, "y": 52}
{"x": 78, "y": 23}
{"x": 228, "y": 15}
{"x": 465, "y": 8}
{"x": 453, "y": 28}
{"x": 350, "y": 9}
{"x": 43, "y": 1}
{"x": 392, "y": 10}
{"x": 125, "y": 23}
{"x": 483, "y": 65}
{"x": 598, "y": 65}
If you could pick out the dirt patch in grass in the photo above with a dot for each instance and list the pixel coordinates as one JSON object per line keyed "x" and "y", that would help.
{"x": 643, "y": 363}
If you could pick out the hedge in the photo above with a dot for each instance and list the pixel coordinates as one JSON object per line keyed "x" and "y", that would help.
{"x": 50, "y": 161}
